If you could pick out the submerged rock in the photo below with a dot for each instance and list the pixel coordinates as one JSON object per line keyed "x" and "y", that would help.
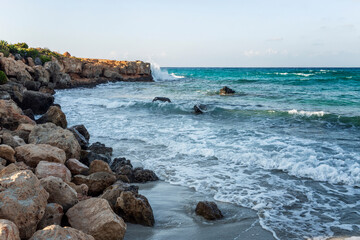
{"x": 208, "y": 210}
{"x": 226, "y": 91}
{"x": 162, "y": 99}
{"x": 200, "y": 108}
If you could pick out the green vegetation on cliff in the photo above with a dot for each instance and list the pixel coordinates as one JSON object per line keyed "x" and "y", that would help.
{"x": 3, "y": 78}
{"x": 23, "y": 49}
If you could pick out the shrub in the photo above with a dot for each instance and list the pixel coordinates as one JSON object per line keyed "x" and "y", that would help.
{"x": 4, "y": 48}
{"x": 3, "y": 78}
{"x": 45, "y": 58}
{"x": 32, "y": 52}
{"x": 21, "y": 45}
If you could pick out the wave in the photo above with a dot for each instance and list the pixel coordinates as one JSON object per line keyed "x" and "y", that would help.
{"x": 307, "y": 113}
{"x": 162, "y": 75}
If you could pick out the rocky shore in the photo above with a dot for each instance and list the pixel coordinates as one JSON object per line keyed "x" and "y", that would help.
{"x": 53, "y": 183}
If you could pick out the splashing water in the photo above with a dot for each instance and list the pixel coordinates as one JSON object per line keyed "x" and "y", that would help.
{"x": 161, "y": 74}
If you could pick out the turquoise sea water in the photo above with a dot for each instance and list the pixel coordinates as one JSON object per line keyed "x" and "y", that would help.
{"x": 287, "y": 144}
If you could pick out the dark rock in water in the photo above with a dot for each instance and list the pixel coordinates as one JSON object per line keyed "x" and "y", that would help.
{"x": 88, "y": 156}
{"x": 54, "y": 115}
{"x": 112, "y": 192}
{"x": 32, "y": 85}
{"x": 208, "y": 210}
{"x": 80, "y": 138}
{"x": 37, "y": 101}
{"x": 29, "y": 113}
{"x": 200, "y": 108}
{"x": 82, "y": 130}
{"x": 162, "y": 99}
{"x": 144, "y": 175}
{"x": 100, "y": 148}
{"x": 134, "y": 208}
{"x": 118, "y": 163}
{"x": 226, "y": 91}
{"x": 38, "y": 61}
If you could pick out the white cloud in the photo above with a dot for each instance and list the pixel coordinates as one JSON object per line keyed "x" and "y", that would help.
{"x": 271, "y": 51}
{"x": 251, "y": 53}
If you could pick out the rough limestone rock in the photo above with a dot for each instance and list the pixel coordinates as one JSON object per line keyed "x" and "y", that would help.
{"x": 53, "y": 215}
{"x": 16, "y": 69}
{"x": 32, "y": 85}
{"x": 81, "y": 189}
{"x": 144, "y": 175}
{"x": 7, "y": 153}
{"x": 32, "y": 154}
{"x": 96, "y": 182}
{"x": 80, "y": 138}
{"x": 99, "y": 166}
{"x": 8, "y": 230}
{"x": 54, "y": 115}
{"x": 76, "y": 167}
{"x": 134, "y": 208}
{"x": 11, "y": 115}
{"x": 12, "y": 168}
{"x": 92, "y": 70}
{"x": 118, "y": 163}
{"x": 100, "y": 148}
{"x": 38, "y": 102}
{"x": 55, "y": 232}
{"x": 226, "y": 91}
{"x": 113, "y": 192}
{"x": 59, "y": 192}
{"x": 208, "y": 210}
{"x": 82, "y": 130}
{"x": 41, "y": 75}
{"x": 51, "y": 134}
{"x": 45, "y": 169}
{"x": 62, "y": 80}
{"x": 22, "y": 200}
{"x": 95, "y": 217}
{"x": 72, "y": 65}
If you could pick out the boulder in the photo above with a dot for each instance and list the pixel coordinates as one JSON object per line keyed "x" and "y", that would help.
{"x": 76, "y": 167}
{"x": 2, "y": 162}
{"x": 91, "y": 70}
{"x": 10, "y": 138}
{"x": 72, "y": 65}
{"x": 208, "y": 210}
{"x": 100, "y": 148}
{"x": 66, "y": 54}
{"x": 99, "y": 166}
{"x": 94, "y": 216}
{"x": 54, "y": 115}
{"x": 118, "y": 163}
{"x": 53, "y": 67}
{"x": 32, "y": 154}
{"x": 112, "y": 192}
{"x": 59, "y": 192}
{"x": 51, "y": 134}
{"x": 11, "y": 115}
{"x": 32, "y": 85}
{"x": 82, "y": 130}
{"x": 96, "y": 182}
{"x": 22, "y": 200}
{"x": 53, "y": 215}
{"x": 81, "y": 189}
{"x": 8, "y": 230}
{"x": 80, "y": 138}
{"x": 61, "y": 80}
{"x": 200, "y": 108}
{"x": 16, "y": 69}
{"x": 162, "y": 99}
{"x": 4, "y": 95}
{"x": 7, "y": 153}
{"x": 45, "y": 169}
{"x": 38, "y": 102}
{"x": 28, "y": 112}
{"x": 88, "y": 156}
{"x": 144, "y": 175}
{"x": 12, "y": 168}
{"x": 134, "y": 208}
{"x": 41, "y": 75}
{"x": 226, "y": 91}
{"x": 55, "y": 232}
{"x": 37, "y": 61}
{"x": 30, "y": 62}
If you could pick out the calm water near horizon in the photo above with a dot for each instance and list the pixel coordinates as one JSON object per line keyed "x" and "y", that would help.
{"x": 287, "y": 144}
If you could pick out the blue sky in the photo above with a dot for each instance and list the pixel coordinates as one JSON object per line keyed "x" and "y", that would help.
{"x": 192, "y": 33}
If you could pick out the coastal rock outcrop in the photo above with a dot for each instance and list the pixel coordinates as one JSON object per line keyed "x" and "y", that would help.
{"x": 59, "y": 192}
{"x": 11, "y": 115}
{"x": 32, "y": 154}
{"x": 96, "y": 182}
{"x": 56, "y": 232}
{"x": 22, "y": 200}
{"x": 94, "y": 216}
{"x": 134, "y": 208}
{"x": 8, "y": 230}
{"x": 54, "y": 115}
{"x": 53, "y": 215}
{"x": 51, "y": 134}
{"x": 208, "y": 210}
{"x": 45, "y": 169}
{"x": 16, "y": 69}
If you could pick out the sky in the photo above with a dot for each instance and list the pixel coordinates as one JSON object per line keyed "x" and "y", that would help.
{"x": 196, "y": 33}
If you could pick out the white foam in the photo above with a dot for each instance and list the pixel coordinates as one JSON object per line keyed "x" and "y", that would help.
{"x": 161, "y": 74}
{"x": 307, "y": 113}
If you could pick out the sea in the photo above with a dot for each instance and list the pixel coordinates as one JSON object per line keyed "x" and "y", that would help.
{"x": 286, "y": 144}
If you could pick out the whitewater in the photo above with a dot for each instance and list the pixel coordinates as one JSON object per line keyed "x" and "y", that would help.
{"x": 285, "y": 145}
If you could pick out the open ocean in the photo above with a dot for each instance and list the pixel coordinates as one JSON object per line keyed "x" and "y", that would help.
{"x": 287, "y": 144}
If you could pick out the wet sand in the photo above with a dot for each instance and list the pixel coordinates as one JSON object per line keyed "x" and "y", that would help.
{"x": 175, "y": 218}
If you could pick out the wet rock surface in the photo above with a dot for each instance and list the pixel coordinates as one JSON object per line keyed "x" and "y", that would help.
{"x": 208, "y": 210}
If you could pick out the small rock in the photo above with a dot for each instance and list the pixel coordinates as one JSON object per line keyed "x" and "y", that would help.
{"x": 94, "y": 216}
{"x": 76, "y": 167}
{"x": 226, "y": 91}
{"x": 200, "y": 108}
{"x": 54, "y": 115}
{"x": 134, "y": 208}
{"x": 7, "y": 153}
{"x": 162, "y": 99}
{"x": 53, "y": 215}
{"x": 97, "y": 182}
{"x": 55, "y": 232}
{"x": 208, "y": 210}
{"x": 8, "y": 230}
{"x": 45, "y": 169}
{"x": 99, "y": 166}
{"x": 59, "y": 192}
{"x": 113, "y": 192}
